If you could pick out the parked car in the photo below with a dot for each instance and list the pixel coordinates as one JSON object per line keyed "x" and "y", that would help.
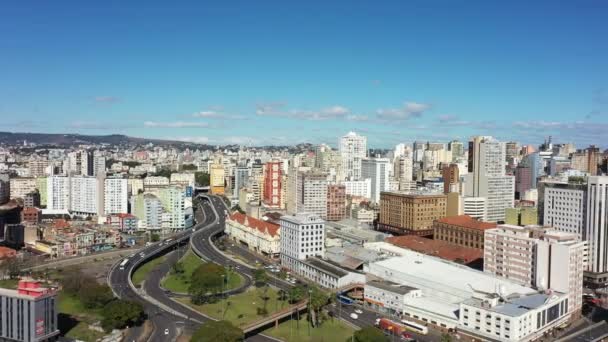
{"x": 359, "y": 311}
{"x": 354, "y": 315}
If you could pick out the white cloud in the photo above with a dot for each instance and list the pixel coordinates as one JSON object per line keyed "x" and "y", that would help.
{"x": 279, "y": 109}
{"x": 175, "y": 124}
{"x": 207, "y": 114}
{"x": 196, "y": 140}
{"x": 357, "y": 118}
{"x": 409, "y": 110}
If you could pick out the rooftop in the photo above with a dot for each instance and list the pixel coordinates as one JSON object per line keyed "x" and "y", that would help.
{"x": 438, "y": 248}
{"x": 262, "y": 226}
{"x": 326, "y": 267}
{"x": 390, "y": 286}
{"x": 467, "y": 221}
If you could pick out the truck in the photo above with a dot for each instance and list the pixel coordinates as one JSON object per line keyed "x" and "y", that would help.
{"x": 391, "y": 327}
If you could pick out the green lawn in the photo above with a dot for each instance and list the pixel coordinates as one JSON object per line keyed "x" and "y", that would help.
{"x": 180, "y": 282}
{"x": 71, "y": 306}
{"x": 331, "y": 330}
{"x": 142, "y": 272}
{"x": 9, "y": 283}
{"x": 240, "y": 309}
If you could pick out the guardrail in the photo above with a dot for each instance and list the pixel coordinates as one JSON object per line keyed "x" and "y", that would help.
{"x": 274, "y": 317}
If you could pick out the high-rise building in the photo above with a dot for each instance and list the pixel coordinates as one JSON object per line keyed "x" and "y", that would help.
{"x": 336, "y": 202}
{"x": 486, "y": 177}
{"x": 29, "y": 313}
{"x": 563, "y": 207}
{"x": 216, "y": 179}
{"x": 5, "y": 188}
{"x": 475, "y": 207}
{"x": 414, "y": 214}
{"x": 311, "y": 193}
{"x": 403, "y": 168}
{"x": 148, "y": 209}
{"x": 38, "y": 167}
{"x": 353, "y": 148}
{"x": 241, "y": 178}
{"x": 273, "y": 173}
{"x": 86, "y": 196}
{"x": 451, "y": 178}
{"x": 99, "y": 164}
{"x": 58, "y": 193}
{"x": 457, "y": 149}
{"x": 80, "y": 163}
{"x": 596, "y": 225}
{"x": 116, "y": 199}
{"x": 21, "y": 186}
{"x": 173, "y": 200}
{"x": 362, "y": 188}
{"x": 377, "y": 170}
{"x": 522, "y": 216}
{"x": 302, "y": 236}
{"x": 539, "y": 257}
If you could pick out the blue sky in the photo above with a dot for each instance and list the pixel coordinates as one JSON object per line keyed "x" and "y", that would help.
{"x": 280, "y": 72}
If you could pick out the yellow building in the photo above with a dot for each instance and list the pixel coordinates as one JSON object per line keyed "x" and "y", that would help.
{"x": 216, "y": 179}
{"x": 521, "y": 216}
{"x": 410, "y": 214}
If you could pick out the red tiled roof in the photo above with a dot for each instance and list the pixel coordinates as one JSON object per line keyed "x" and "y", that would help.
{"x": 467, "y": 221}
{"x": 436, "y": 248}
{"x": 6, "y": 252}
{"x": 260, "y": 225}
{"x": 30, "y": 210}
{"x": 61, "y": 223}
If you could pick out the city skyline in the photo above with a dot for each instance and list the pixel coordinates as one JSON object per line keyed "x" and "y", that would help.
{"x": 300, "y": 73}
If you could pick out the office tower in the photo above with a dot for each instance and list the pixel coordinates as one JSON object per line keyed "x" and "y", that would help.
{"x": 523, "y": 180}
{"x": 596, "y": 230}
{"x": 58, "y": 193}
{"x": 21, "y": 186}
{"x": 99, "y": 164}
{"x": 273, "y": 173}
{"x": 486, "y": 177}
{"x": 336, "y": 202}
{"x": 241, "y": 178}
{"x": 311, "y": 193}
{"x": 418, "y": 151}
{"x": 451, "y": 178}
{"x": 512, "y": 152}
{"x": 80, "y": 163}
{"x": 5, "y": 188}
{"x": 457, "y": 149}
{"x": 563, "y": 207}
{"x": 475, "y": 207}
{"x": 593, "y": 159}
{"x": 302, "y": 236}
{"x": 538, "y": 257}
{"x": 376, "y": 169}
{"x": 353, "y": 148}
{"x": 28, "y": 313}
{"x": 410, "y": 214}
{"x": 116, "y": 196}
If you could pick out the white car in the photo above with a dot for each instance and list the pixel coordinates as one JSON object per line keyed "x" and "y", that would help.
{"x": 354, "y": 315}
{"x": 359, "y": 311}
{"x": 166, "y": 331}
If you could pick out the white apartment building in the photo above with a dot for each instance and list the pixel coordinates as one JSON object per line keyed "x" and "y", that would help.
{"x": 259, "y": 236}
{"x": 403, "y": 168}
{"x": 21, "y": 186}
{"x": 155, "y": 182}
{"x": 58, "y": 193}
{"x": 182, "y": 179}
{"x": 86, "y": 195}
{"x": 173, "y": 200}
{"x": 564, "y": 207}
{"x": 596, "y": 228}
{"x": 99, "y": 164}
{"x": 361, "y": 188}
{"x": 475, "y": 207}
{"x": 486, "y": 177}
{"x": 116, "y": 199}
{"x": 377, "y": 170}
{"x": 538, "y": 257}
{"x": 302, "y": 236}
{"x": 353, "y": 148}
{"x": 38, "y": 167}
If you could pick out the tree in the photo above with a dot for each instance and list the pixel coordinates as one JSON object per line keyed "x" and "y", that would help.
{"x": 446, "y": 338}
{"x": 238, "y": 208}
{"x": 318, "y": 299}
{"x": 188, "y": 167}
{"x": 95, "y": 295}
{"x": 218, "y": 331}
{"x": 154, "y": 237}
{"x": 369, "y": 334}
{"x": 296, "y": 294}
{"x": 261, "y": 277}
{"x": 121, "y": 313}
{"x": 201, "y": 178}
{"x": 208, "y": 278}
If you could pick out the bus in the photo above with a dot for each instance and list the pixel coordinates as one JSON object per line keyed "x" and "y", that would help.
{"x": 345, "y": 300}
{"x": 415, "y": 327}
{"x": 124, "y": 263}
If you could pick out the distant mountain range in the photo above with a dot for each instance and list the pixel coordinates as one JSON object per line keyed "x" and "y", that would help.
{"x": 10, "y": 138}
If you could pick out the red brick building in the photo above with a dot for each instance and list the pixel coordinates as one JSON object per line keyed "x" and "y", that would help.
{"x": 30, "y": 215}
{"x": 272, "y": 184}
{"x": 336, "y": 202}
{"x": 469, "y": 256}
{"x": 462, "y": 230}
